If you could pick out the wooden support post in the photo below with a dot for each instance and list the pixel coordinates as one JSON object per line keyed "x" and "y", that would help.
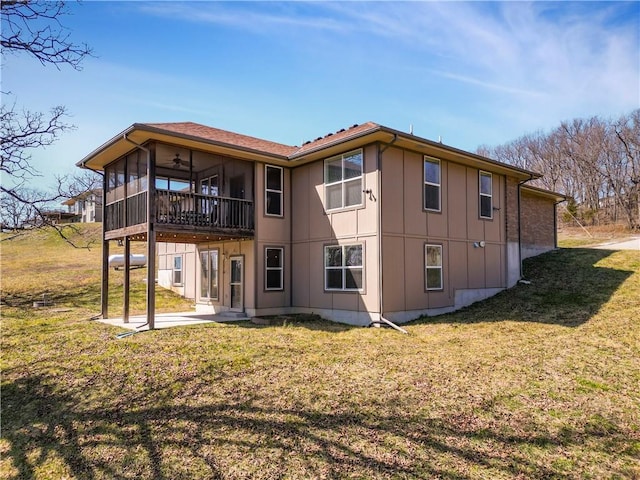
{"x": 127, "y": 274}
{"x": 104, "y": 289}
{"x": 104, "y": 286}
{"x": 151, "y": 237}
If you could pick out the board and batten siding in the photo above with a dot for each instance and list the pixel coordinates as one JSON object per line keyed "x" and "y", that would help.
{"x": 272, "y": 231}
{"x": 407, "y": 227}
{"x": 313, "y": 228}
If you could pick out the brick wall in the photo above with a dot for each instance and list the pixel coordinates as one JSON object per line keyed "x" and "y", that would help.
{"x": 538, "y": 224}
{"x": 511, "y": 204}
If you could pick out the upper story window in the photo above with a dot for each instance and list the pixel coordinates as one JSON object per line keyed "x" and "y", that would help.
{"x": 343, "y": 267}
{"x": 343, "y": 180}
{"x": 486, "y": 195}
{"x": 431, "y": 183}
{"x": 273, "y": 180}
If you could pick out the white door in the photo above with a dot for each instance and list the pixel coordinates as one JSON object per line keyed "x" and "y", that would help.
{"x": 237, "y": 274}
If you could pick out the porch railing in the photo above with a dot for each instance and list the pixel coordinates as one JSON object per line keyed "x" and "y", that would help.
{"x": 181, "y": 208}
{"x": 196, "y": 209}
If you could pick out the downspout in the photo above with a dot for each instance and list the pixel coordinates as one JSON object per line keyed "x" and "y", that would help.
{"x": 380, "y": 276}
{"x": 555, "y": 222}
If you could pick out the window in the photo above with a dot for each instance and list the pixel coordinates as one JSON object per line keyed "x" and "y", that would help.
{"x": 433, "y": 267}
{"x": 343, "y": 180}
{"x": 209, "y": 274}
{"x": 343, "y": 267}
{"x": 173, "y": 184}
{"x": 431, "y": 183}
{"x": 486, "y": 199}
{"x": 209, "y": 186}
{"x": 177, "y": 270}
{"x": 273, "y": 191}
{"x": 273, "y": 269}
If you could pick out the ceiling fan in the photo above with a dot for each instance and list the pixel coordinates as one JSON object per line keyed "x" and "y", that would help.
{"x": 177, "y": 162}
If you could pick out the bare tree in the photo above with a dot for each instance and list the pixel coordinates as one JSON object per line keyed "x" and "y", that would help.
{"x": 33, "y": 27}
{"x": 16, "y": 211}
{"x": 595, "y": 161}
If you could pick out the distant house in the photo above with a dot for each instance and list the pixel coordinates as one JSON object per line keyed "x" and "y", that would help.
{"x": 86, "y": 207}
{"x": 362, "y": 223}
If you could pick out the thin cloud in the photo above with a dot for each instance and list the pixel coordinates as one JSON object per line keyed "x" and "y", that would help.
{"x": 491, "y": 86}
{"x": 237, "y": 15}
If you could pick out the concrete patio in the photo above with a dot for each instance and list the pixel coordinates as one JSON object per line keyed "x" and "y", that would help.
{"x": 169, "y": 320}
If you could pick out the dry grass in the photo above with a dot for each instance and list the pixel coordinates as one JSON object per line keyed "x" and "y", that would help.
{"x": 574, "y": 236}
{"x": 538, "y": 382}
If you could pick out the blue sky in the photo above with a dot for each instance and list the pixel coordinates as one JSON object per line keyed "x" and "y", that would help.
{"x": 472, "y": 73}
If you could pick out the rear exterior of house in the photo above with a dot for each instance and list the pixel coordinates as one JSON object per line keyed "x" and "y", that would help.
{"x": 359, "y": 224}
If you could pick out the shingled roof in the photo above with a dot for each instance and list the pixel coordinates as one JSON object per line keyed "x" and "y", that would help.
{"x": 224, "y": 136}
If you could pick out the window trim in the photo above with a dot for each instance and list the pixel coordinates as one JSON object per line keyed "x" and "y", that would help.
{"x": 174, "y": 270}
{"x": 280, "y": 192}
{"x": 344, "y": 268}
{"x": 342, "y": 181}
{"x": 489, "y": 195}
{"x": 429, "y": 159}
{"x": 434, "y": 267}
{"x": 208, "y": 253}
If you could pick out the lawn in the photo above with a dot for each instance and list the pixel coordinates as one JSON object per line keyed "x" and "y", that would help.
{"x": 541, "y": 381}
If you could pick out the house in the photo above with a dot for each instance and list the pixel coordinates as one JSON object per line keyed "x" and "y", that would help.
{"x": 86, "y": 207}
{"x": 362, "y": 223}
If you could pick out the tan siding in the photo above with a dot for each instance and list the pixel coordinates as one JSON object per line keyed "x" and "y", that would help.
{"x": 302, "y": 273}
{"x": 456, "y": 273}
{"x": 302, "y": 194}
{"x": 456, "y": 194}
{"x": 393, "y": 281}
{"x": 272, "y": 298}
{"x": 319, "y": 226}
{"x": 313, "y": 229}
{"x": 344, "y": 224}
{"x": 344, "y": 301}
{"x": 414, "y": 291}
{"x": 476, "y": 266}
{"x": 317, "y": 297}
{"x": 415, "y": 219}
{"x": 393, "y": 186}
{"x": 494, "y": 267}
{"x": 475, "y": 226}
{"x": 188, "y": 273}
